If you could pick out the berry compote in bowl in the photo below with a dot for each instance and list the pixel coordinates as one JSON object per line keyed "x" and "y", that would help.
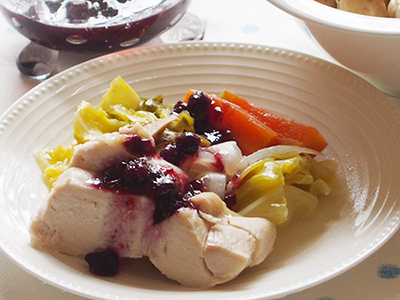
{"x": 92, "y": 25}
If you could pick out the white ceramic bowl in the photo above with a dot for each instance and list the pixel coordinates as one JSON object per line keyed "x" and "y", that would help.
{"x": 367, "y": 45}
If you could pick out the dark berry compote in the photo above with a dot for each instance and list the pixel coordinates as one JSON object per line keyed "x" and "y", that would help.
{"x": 186, "y": 145}
{"x": 206, "y": 114}
{"x": 147, "y": 174}
{"x": 93, "y": 25}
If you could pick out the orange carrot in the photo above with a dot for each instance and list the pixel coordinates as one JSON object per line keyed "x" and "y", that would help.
{"x": 250, "y": 133}
{"x": 289, "y": 132}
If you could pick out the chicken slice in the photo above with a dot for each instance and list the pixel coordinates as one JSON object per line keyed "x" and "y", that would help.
{"x": 107, "y": 149}
{"x": 263, "y": 232}
{"x": 177, "y": 250}
{"x": 199, "y": 245}
{"x": 228, "y": 250}
{"x": 72, "y": 221}
{"x": 78, "y": 219}
{"x": 214, "y": 243}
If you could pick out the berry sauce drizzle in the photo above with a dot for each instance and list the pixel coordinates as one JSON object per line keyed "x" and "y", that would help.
{"x": 206, "y": 114}
{"x": 186, "y": 145}
{"x": 144, "y": 176}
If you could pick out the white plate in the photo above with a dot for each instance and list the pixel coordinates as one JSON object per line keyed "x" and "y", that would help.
{"x": 360, "y": 124}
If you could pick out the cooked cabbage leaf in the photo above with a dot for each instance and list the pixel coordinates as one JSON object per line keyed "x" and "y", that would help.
{"x": 53, "y": 161}
{"x": 120, "y": 106}
{"x": 90, "y": 121}
{"x": 276, "y": 188}
{"x": 120, "y": 96}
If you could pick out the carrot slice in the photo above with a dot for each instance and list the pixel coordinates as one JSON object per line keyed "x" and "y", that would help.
{"x": 250, "y": 133}
{"x": 289, "y": 132}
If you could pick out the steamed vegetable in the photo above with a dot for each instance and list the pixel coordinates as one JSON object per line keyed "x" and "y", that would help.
{"x": 53, "y": 162}
{"x": 289, "y": 132}
{"x": 120, "y": 98}
{"x": 120, "y": 106}
{"x": 250, "y": 133}
{"x": 269, "y": 186}
{"x": 277, "y": 182}
{"x": 90, "y": 121}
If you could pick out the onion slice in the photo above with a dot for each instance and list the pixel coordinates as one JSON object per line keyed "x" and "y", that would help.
{"x": 280, "y": 151}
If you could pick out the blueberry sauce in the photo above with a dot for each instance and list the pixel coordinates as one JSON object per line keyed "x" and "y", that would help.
{"x": 138, "y": 176}
{"x": 171, "y": 154}
{"x": 143, "y": 175}
{"x": 230, "y": 200}
{"x": 77, "y": 12}
{"x": 206, "y": 114}
{"x": 146, "y": 175}
{"x": 103, "y": 263}
{"x": 139, "y": 146}
{"x": 69, "y": 34}
{"x": 219, "y": 136}
{"x": 195, "y": 187}
{"x": 186, "y": 145}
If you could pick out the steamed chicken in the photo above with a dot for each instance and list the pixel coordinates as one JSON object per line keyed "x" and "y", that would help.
{"x": 148, "y": 215}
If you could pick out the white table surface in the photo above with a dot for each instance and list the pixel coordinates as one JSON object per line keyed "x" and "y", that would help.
{"x": 250, "y": 21}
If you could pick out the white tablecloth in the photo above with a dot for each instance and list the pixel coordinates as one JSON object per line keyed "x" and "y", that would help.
{"x": 250, "y": 21}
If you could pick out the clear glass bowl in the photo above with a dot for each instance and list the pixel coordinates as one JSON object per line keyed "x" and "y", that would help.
{"x": 92, "y": 25}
